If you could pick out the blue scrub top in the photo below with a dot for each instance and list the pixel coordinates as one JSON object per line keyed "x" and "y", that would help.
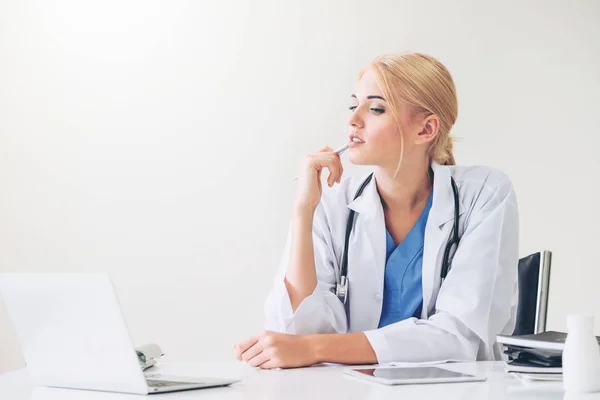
{"x": 402, "y": 290}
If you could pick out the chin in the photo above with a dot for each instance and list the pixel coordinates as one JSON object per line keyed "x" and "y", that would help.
{"x": 359, "y": 158}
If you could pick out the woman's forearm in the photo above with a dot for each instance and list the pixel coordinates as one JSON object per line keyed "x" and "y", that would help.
{"x": 343, "y": 348}
{"x": 301, "y": 275}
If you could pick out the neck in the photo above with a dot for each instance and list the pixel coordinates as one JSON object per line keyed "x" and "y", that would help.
{"x": 408, "y": 190}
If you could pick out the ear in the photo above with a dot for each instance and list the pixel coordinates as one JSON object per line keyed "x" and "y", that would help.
{"x": 429, "y": 130}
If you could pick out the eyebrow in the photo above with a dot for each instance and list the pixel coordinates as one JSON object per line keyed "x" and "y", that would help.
{"x": 370, "y": 97}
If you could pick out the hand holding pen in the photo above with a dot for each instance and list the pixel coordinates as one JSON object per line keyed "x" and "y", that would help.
{"x": 308, "y": 193}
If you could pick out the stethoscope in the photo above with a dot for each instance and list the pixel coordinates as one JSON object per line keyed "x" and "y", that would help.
{"x": 341, "y": 290}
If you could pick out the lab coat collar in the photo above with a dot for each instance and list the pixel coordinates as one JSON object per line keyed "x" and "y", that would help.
{"x": 368, "y": 205}
{"x": 442, "y": 209}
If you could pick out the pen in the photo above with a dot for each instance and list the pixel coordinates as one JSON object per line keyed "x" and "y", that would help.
{"x": 339, "y": 152}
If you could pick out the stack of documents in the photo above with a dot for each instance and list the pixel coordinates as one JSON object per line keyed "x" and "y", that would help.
{"x": 535, "y": 357}
{"x": 534, "y": 361}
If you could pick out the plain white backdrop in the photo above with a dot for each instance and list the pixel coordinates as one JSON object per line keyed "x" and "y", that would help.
{"x": 157, "y": 140}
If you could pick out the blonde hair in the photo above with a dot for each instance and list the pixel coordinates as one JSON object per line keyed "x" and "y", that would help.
{"x": 424, "y": 84}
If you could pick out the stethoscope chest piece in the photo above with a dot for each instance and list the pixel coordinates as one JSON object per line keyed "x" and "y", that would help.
{"x": 341, "y": 289}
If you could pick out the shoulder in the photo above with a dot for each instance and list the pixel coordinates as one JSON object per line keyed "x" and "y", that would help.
{"x": 482, "y": 184}
{"x": 487, "y": 178}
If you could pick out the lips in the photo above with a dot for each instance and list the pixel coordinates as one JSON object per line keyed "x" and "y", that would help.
{"x": 354, "y": 138}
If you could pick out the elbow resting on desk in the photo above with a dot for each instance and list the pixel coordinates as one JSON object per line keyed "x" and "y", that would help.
{"x": 442, "y": 337}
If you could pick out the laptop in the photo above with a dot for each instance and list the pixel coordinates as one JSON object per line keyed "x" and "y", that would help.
{"x": 73, "y": 335}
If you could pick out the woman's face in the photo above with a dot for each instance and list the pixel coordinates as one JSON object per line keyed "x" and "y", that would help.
{"x": 374, "y": 134}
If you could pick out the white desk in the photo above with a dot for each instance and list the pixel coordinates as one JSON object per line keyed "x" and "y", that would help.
{"x": 321, "y": 382}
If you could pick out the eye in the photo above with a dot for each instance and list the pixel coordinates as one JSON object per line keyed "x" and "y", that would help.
{"x": 352, "y": 108}
{"x": 377, "y": 110}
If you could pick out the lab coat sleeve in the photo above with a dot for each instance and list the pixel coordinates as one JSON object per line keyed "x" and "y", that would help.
{"x": 475, "y": 301}
{"x": 320, "y": 312}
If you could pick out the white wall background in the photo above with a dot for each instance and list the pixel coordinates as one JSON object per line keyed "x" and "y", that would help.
{"x": 156, "y": 140}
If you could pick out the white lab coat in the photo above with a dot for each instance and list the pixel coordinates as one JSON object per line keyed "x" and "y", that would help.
{"x": 460, "y": 319}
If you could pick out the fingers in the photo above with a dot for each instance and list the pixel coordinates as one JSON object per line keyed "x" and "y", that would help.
{"x": 270, "y": 363}
{"x": 246, "y": 344}
{"x": 258, "y": 359}
{"x": 238, "y": 353}
{"x": 309, "y": 190}
{"x": 252, "y": 352}
{"x": 335, "y": 169}
{"x": 340, "y": 170}
{"x": 329, "y": 160}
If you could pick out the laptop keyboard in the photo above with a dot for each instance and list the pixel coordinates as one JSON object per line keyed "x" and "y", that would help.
{"x": 158, "y": 383}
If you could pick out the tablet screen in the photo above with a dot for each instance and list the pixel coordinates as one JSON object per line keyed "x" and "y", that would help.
{"x": 411, "y": 373}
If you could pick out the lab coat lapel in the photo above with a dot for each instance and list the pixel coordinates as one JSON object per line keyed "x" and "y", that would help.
{"x": 370, "y": 226}
{"x": 437, "y": 231}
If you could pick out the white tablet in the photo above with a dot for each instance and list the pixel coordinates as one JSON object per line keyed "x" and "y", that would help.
{"x": 411, "y": 375}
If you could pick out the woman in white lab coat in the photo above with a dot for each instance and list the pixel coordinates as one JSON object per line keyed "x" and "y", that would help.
{"x": 398, "y": 309}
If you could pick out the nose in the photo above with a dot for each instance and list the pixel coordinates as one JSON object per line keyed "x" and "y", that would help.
{"x": 355, "y": 120}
